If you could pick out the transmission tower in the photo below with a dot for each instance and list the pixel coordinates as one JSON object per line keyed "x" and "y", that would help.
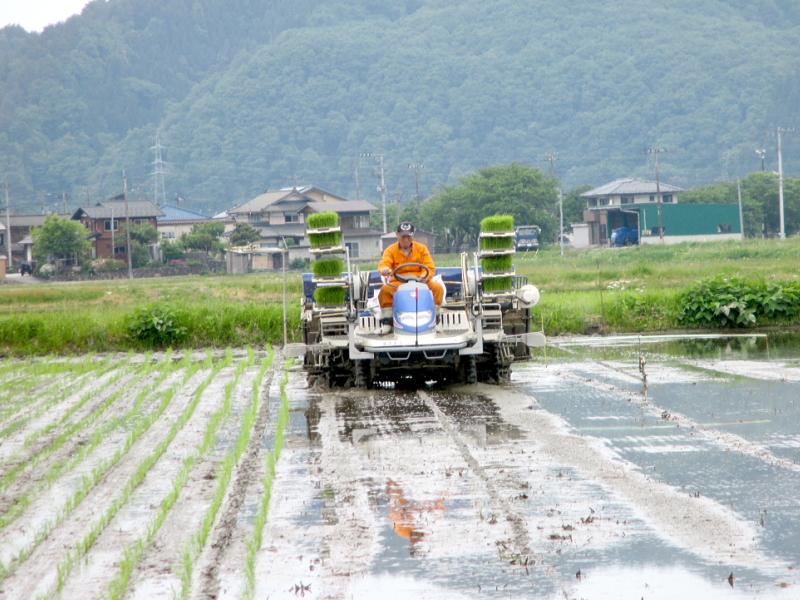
{"x": 159, "y": 194}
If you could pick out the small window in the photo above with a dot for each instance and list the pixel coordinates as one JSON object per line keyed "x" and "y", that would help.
{"x": 592, "y": 202}
{"x": 137, "y": 221}
{"x": 658, "y": 230}
{"x": 626, "y": 200}
{"x": 604, "y": 201}
{"x": 292, "y": 218}
{"x": 666, "y": 198}
{"x": 652, "y": 198}
{"x": 353, "y": 247}
{"x": 255, "y": 218}
{"x": 360, "y": 222}
{"x": 724, "y": 228}
{"x": 108, "y": 226}
{"x": 167, "y": 235}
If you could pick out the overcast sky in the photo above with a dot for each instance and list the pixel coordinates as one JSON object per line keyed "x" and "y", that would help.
{"x": 35, "y": 15}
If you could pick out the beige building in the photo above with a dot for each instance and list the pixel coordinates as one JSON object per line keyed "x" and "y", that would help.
{"x": 281, "y": 215}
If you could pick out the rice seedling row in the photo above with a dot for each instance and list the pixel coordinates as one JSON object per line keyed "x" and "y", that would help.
{"x": 253, "y": 544}
{"x": 122, "y": 546}
{"x": 84, "y": 446}
{"x": 31, "y": 393}
{"x": 30, "y": 459}
{"x": 61, "y": 407}
{"x": 97, "y": 504}
{"x": 53, "y": 506}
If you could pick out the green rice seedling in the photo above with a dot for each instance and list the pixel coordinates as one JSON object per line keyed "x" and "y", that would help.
{"x": 224, "y": 474}
{"x": 254, "y": 543}
{"x": 84, "y": 544}
{"x": 326, "y": 219}
{"x": 332, "y": 238}
{"x": 330, "y": 296}
{"x": 497, "y": 284}
{"x": 328, "y": 268}
{"x": 497, "y": 243}
{"x": 497, "y": 263}
{"x": 498, "y": 223}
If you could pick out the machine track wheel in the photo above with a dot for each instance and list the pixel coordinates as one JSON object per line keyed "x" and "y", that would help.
{"x": 363, "y": 378}
{"x": 470, "y": 370}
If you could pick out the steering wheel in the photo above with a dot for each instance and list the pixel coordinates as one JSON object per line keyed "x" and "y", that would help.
{"x": 407, "y": 278}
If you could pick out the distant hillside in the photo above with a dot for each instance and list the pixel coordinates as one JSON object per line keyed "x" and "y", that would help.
{"x": 247, "y": 97}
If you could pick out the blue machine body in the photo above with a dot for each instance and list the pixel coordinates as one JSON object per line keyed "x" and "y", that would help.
{"x": 414, "y": 310}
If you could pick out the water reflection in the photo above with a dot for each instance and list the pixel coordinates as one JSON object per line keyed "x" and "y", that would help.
{"x": 407, "y": 515}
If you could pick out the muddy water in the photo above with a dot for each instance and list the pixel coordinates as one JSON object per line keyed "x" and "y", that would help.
{"x": 582, "y": 479}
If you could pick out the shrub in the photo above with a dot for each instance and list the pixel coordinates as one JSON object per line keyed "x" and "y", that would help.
{"x": 299, "y": 264}
{"x": 736, "y": 302}
{"x": 156, "y": 326}
{"x": 326, "y": 219}
{"x": 46, "y": 271}
{"x": 498, "y": 223}
{"x": 104, "y": 265}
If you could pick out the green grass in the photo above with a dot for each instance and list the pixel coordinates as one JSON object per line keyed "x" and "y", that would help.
{"x": 328, "y": 268}
{"x": 326, "y": 219}
{"x": 498, "y": 223}
{"x": 330, "y": 296}
{"x": 497, "y": 263}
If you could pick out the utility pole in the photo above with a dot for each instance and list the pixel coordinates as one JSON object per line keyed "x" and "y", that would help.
{"x": 780, "y": 180}
{"x": 382, "y": 190}
{"x": 113, "y": 240}
{"x": 658, "y": 151}
{"x": 416, "y": 179}
{"x": 41, "y": 199}
{"x": 398, "y": 196}
{"x": 8, "y": 226}
{"x": 741, "y": 219}
{"x": 159, "y": 193}
{"x": 761, "y": 154}
{"x": 64, "y": 200}
{"x": 127, "y": 225}
{"x": 381, "y": 187}
{"x": 552, "y": 157}
{"x": 357, "y": 190}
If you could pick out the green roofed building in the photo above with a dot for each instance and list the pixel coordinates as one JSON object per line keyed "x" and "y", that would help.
{"x": 635, "y": 203}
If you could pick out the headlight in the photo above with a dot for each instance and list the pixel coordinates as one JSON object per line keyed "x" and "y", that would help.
{"x": 415, "y": 319}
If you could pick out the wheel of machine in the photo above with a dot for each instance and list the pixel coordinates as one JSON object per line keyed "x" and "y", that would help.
{"x": 363, "y": 379}
{"x": 629, "y": 242}
{"x": 470, "y": 370}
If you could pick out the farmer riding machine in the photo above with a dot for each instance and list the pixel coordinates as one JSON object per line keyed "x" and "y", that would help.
{"x": 483, "y": 326}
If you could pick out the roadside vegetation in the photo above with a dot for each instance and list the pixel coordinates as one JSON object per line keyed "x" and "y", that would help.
{"x": 645, "y": 288}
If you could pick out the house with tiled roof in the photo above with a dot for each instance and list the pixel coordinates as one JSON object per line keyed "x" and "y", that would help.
{"x": 653, "y": 208}
{"x": 282, "y": 215}
{"x": 178, "y": 221}
{"x": 105, "y": 222}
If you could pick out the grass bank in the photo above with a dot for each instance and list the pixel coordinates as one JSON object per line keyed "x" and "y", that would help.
{"x": 619, "y": 289}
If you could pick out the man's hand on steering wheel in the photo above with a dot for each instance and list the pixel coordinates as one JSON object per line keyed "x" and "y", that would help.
{"x": 407, "y": 278}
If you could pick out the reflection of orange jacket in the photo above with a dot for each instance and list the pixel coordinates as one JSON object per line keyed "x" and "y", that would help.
{"x": 393, "y": 257}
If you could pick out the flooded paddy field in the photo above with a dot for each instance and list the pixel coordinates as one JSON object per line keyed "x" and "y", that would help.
{"x": 631, "y": 467}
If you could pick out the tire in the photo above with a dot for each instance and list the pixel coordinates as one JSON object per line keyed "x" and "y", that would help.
{"x": 629, "y": 242}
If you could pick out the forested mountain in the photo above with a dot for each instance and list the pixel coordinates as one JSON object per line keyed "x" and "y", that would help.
{"x": 248, "y": 95}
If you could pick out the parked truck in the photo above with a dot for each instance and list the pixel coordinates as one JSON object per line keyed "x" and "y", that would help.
{"x": 625, "y": 236}
{"x": 527, "y": 238}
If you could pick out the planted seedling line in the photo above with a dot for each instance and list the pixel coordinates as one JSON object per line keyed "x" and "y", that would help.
{"x": 66, "y": 389}
{"x": 83, "y": 545}
{"x": 254, "y": 543}
{"x": 75, "y": 428}
{"x": 195, "y": 546}
{"x": 56, "y": 470}
{"x": 124, "y": 368}
{"x": 28, "y": 373}
{"x": 135, "y": 551}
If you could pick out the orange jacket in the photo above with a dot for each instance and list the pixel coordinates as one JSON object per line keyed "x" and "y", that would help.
{"x": 393, "y": 257}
